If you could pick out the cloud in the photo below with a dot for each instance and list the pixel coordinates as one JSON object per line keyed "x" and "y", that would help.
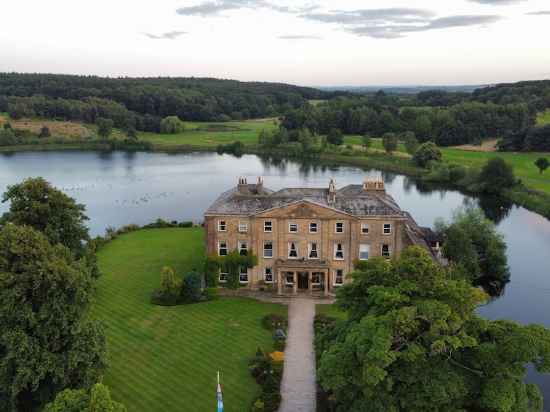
{"x": 394, "y": 23}
{"x": 170, "y": 35}
{"x": 539, "y": 13}
{"x": 299, "y": 37}
{"x": 497, "y": 2}
{"x": 216, "y": 7}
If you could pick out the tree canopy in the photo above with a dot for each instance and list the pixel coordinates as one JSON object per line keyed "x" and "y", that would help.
{"x": 96, "y": 400}
{"x": 496, "y": 176}
{"x": 46, "y": 342}
{"x": 413, "y": 342}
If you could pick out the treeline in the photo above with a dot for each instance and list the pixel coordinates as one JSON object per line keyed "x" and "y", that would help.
{"x": 462, "y": 123}
{"x": 536, "y": 94}
{"x": 144, "y": 101}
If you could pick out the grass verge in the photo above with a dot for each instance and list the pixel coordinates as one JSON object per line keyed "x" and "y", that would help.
{"x": 166, "y": 358}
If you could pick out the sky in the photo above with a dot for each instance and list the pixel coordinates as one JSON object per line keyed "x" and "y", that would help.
{"x": 311, "y": 42}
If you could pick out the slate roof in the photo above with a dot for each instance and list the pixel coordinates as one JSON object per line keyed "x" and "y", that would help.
{"x": 351, "y": 199}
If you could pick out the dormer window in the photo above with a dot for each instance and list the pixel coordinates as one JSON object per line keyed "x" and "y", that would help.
{"x": 339, "y": 227}
{"x": 292, "y": 251}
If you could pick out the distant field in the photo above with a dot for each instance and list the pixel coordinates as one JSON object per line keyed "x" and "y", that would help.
{"x": 543, "y": 118}
{"x": 315, "y": 102}
{"x": 376, "y": 143}
{"x": 209, "y": 134}
{"x": 70, "y": 130}
{"x": 166, "y": 358}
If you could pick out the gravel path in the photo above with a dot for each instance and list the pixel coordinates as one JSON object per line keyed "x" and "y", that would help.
{"x": 298, "y": 386}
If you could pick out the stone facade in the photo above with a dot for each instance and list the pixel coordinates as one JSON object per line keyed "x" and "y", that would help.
{"x": 307, "y": 239}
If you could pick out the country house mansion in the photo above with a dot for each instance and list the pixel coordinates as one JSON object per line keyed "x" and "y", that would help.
{"x": 307, "y": 239}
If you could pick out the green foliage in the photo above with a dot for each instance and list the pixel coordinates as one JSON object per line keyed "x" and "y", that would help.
{"x": 231, "y": 264}
{"x": 427, "y": 153}
{"x": 411, "y": 143}
{"x": 471, "y": 240}
{"x": 8, "y": 137}
{"x": 36, "y": 203}
{"x": 44, "y": 132}
{"x": 98, "y": 400}
{"x": 366, "y": 140}
{"x": 496, "y": 176}
{"x": 235, "y": 148}
{"x": 192, "y": 288}
{"x": 131, "y": 133}
{"x": 268, "y": 374}
{"x": 390, "y": 141}
{"x": 542, "y": 163}
{"x": 104, "y": 127}
{"x": 335, "y": 137}
{"x": 413, "y": 342}
{"x": 171, "y": 125}
{"x": 47, "y": 344}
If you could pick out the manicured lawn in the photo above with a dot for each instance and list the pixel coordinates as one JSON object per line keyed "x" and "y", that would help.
{"x": 543, "y": 118}
{"x": 166, "y": 358}
{"x": 209, "y": 134}
{"x": 330, "y": 310}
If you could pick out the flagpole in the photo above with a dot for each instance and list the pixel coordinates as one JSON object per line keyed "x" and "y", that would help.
{"x": 219, "y": 395}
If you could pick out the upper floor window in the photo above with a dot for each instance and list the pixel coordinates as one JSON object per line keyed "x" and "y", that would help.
{"x": 268, "y": 275}
{"x": 243, "y": 227}
{"x": 222, "y": 226}
{"x": 339, "y": 227}
{"x": 243, "y": 248}
{"x": 268, "y": 249}
{"x": 313, "y": 253}
{"x": 313, "y": 227}
{"x": 222, "y": 248}
{"x": 293, "y": 227}
{"x": 364, "y": 228}
{"x": 386, "y": 251}
{"x": 338, "y": 277}
{"x": 268, "y": 226}
{"x": 223, "y": 277}
{"x": 243, "y": 274}
{"x": 364, "y": 252}
{"x": 292, "y": 251}
{"x": 338, "y": 251}
{"x": 387, "y": 228}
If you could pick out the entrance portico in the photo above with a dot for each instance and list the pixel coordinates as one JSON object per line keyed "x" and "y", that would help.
{"x": 295, "y": 276}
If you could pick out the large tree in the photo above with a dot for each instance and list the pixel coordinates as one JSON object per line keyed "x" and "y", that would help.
{"x": 496, "y": 176}
{"x": 46, "y": 342}
{"x": 97, "y": 400}
{"x": 413, "y": 342}
{"x": 36, "y": 203}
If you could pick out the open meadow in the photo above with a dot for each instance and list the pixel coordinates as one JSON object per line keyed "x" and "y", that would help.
{"x": 166, "y": 358}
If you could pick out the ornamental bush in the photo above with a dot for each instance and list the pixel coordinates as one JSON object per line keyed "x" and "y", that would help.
{"x": 426, "y": 153}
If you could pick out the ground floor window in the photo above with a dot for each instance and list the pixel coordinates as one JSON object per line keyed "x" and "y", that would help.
{"x": 243, "y": 275}
{"x": 223, "y": 277}
{"x": 268, "y": 275}
{"x": 289, "y": 278}
{"x": 386, "y": 251}
{"x": 338, "y": 277}
{"x": 316, "y": 278}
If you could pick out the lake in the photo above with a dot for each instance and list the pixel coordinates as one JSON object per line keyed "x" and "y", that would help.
{"x": 120, "y": 188}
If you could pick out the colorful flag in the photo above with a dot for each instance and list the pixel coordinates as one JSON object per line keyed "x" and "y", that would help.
{"x": 219, "y": 395}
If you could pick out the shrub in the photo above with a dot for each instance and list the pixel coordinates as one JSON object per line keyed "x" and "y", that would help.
{"x": 390, "y": 141}
{"x": 426, "y": 153}
{"x": 268, "y": 375}
{"x": 274, "y": 321}
{"x": 104, "y": 127}
{"x": 44, "y": 132}
{"x": 171, "y": 125}
{"x": 496, "y": 176}
{"x": 191, "y": 292}
{"x": 210, "y": 293}
{"x": 170, "y": 288}
{"x": 335, "y": 137}
{"x": 8, "y": 137}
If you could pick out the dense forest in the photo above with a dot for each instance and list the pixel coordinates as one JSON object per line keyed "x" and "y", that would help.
{"x": 143, "y": 102}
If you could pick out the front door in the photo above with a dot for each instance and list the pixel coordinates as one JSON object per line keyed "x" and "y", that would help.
{"x": 303, "y": 280}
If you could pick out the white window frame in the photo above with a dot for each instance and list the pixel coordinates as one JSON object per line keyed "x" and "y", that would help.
{"x": 388, "y": 256}
{"x": 341, "y": 250}
{"x": 310, "y": 249}
{"x": 287, "y": 274}
{"x": 361, "y": 246}
{"x": 268, "y": 224}
{"x": 222, "y": 277}
{"x": 266, "y": 274}
{"x": 363, "y": 227}
{"x": 226, "y": 247}
{"x": 336, "y": 227}
{"x": 240, "y": 244}
{"x": 337, "y": 284}
{"x": 241, "y": 273}
{"x": 271, "y": 243}
{"x": 222, "y": 223}
{"x": 243, "y": 227}
{"x": 316, "y": 227}
{"x": 290, "y": 249}
{"x": 389, "y": 229}
{"x": 292, "y": 224}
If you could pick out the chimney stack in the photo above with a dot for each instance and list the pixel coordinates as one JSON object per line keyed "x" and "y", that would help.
{"x": 242, "y": 186}
{"x": 260, "y": 184}
{"x": 376, "y": 185}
